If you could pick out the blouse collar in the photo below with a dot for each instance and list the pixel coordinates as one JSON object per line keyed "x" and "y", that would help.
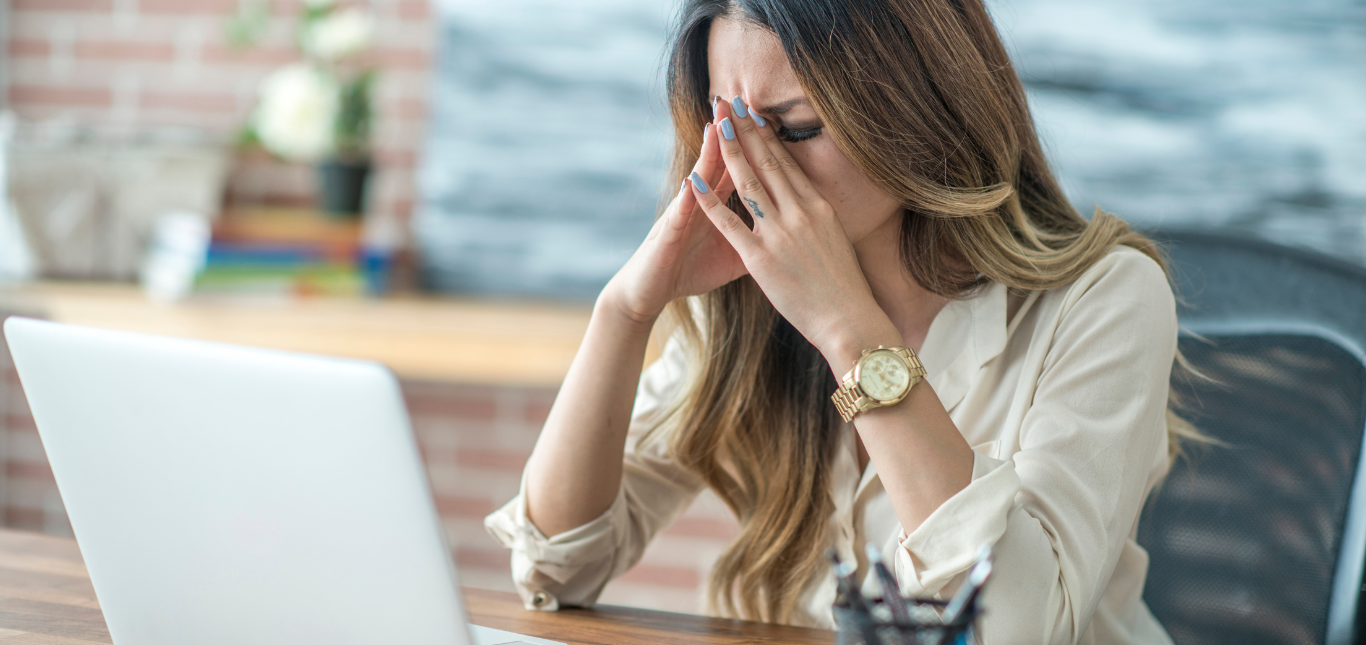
{"x": 964, "y": 336}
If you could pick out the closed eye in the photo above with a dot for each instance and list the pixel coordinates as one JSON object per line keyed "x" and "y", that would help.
{"x": 796, "y": 136}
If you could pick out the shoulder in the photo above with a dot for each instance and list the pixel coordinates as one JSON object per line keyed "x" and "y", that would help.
{"x": 1125, "y": 279}
{"x": 1122, "y": 301}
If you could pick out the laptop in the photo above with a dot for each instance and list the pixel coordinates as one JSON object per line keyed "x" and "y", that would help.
{"x": 231, "y": 495}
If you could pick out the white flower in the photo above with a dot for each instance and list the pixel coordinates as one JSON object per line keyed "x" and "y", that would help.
{"x": 298, "y": 111}
{"x": 340, "y": 34}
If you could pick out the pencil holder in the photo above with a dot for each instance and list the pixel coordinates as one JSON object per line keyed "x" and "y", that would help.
{"x": 859, "y": 627}
{"x": 890, "y": 619}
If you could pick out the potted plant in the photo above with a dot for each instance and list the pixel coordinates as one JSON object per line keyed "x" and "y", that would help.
{"x": 319, "y": 110}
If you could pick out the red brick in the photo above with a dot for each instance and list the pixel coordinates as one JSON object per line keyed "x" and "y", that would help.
{"x": 404, "y": 58}
{"x": 26, "y": 519}
{"x": 35, "y": 48}
{"x": 124, "y": 50}
{"x": 61, "y": 5}
{"x": 401, "y": 208}
{"x": 496, "y": 460}
{"x": 396, "y": 157}
{"x": 190, "y": 102}
{"x": 455, "y": 406}
{"x": 28, "y": 470}
{"x": 703, "y": 528}
{"x": 214, "y": 7}
{"x": 260, "y": 55}
{"x": 677, "y": 577}
{"x": 404, "y": 109}
{"x": 483, "y": 558}
{"x": 536, "y": 412}
{"x": 413, "y": 9}
{"x": 458, "y": 506}
{"x": 85, "y": 96}
{"x": 20, "y": 422}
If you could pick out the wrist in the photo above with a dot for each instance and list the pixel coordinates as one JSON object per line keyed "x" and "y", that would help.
{"x": 611, "y": 304}
{"x": 847, "y": 345}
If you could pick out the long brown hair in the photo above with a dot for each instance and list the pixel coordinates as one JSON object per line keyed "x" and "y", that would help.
{"x": 920, "y": 95}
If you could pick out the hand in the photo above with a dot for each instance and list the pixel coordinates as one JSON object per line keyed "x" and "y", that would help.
{"x": 797, "y": 252}
{"x": 684, "y": 254}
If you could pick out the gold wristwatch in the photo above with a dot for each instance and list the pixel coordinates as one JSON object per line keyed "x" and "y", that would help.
{"x": 881, "y": 377}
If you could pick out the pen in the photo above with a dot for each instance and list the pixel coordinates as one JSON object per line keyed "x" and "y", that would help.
{"x": 891, "y": 591}
{"x": 847, "y": 593}
{"x": 968, "y": 592}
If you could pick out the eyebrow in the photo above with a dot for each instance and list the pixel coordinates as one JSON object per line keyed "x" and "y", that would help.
{"x": 784, "y": 107}
{"x": 776, "y": 108}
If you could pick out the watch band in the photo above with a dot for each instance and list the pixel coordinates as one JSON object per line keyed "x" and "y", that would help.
{"x": 850, "y": 400}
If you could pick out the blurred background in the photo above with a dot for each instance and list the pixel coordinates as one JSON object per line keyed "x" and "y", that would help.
{"x": 444, "y": 186}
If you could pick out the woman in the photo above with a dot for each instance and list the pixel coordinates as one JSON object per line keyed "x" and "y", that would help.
{"x": 865, "y": 175}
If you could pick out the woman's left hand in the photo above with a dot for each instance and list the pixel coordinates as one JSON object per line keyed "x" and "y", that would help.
{"x": 797, "y": 252}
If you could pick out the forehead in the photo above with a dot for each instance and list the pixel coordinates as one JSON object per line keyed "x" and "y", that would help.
{"x": 747, "y": 60}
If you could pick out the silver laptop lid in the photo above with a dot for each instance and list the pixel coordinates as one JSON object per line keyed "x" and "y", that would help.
{"x": 230, "y": 495}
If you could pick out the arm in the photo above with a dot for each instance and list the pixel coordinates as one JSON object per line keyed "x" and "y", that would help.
{"x": 1061, "y": 510}
{"x": 572, "y": 567}
{"x": 800, "y": 256}
{"x": 575, "y": 470}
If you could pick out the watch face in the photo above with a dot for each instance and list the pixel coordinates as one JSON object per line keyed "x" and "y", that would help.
{"x": 884, "y": 375}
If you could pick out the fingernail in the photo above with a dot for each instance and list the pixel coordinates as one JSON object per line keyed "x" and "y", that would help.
{"x": 697, "y": 183}
{"x": 683, "y": 187}
{"x": 739, "y": 107}
{"x": 759, "y": 121}
{"x": 706, "y": 133}
{"x": 715, "y": 108}
{"x": 727, "y": 130}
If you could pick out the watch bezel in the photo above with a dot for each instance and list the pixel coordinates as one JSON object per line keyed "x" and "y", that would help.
{"x": 858, "y": 376}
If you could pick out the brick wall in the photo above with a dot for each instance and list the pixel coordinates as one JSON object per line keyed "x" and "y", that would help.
{"x": 474, "y": 439}
{"x": 151, "y": 63}
{"x": 156, "y": 63}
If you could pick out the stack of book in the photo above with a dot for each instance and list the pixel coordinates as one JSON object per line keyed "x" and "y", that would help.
{"x": 283, "y": 252}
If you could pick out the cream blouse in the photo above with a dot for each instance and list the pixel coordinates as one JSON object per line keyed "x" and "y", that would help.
{"x": 1064, "y": 406}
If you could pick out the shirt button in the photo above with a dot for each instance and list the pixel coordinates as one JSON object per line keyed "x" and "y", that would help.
{"x": 540, "y": 599}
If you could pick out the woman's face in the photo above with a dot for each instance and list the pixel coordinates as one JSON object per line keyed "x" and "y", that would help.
{"x": 747, "y": 61}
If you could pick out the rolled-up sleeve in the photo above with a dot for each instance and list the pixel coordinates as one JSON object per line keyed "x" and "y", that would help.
{"x": 1060, "y": 509}
{"x": 572, "y": 568}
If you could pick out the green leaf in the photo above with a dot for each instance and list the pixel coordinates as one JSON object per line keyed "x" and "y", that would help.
{"x": 244, "y": 28}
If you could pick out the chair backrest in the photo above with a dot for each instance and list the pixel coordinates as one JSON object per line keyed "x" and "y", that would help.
{"x": 1263, "y": 539}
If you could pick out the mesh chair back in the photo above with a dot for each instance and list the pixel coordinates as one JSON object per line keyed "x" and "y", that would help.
{"x": 1260, "y": 540}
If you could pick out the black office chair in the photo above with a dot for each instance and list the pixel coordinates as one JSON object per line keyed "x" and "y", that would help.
{"x": 1263, "y": 540}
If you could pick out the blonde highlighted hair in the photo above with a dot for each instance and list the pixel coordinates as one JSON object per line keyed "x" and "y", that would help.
{"x": 920, "y": 95}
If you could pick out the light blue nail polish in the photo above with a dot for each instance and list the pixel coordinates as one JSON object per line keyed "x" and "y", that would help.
{"x": 715, "y": 108}
{"x": 700, "y": 185}
{"x": 727, "y": 130}
{"x": 739, "y": 107}
{"x": 759, "y": 121}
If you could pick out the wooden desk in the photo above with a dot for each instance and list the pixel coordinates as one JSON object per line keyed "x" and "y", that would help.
{"x": 46, "y": 597}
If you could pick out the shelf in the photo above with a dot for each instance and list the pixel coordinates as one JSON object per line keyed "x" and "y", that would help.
{"x": 419, "y": 338}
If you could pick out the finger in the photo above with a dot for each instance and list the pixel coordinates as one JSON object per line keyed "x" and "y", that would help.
{"x": 725, "y": 187}
{"x": 796, "y": 177}
{"x": 750, "y": 188}
{"x": 709, "y": 164}
{"x": 674, "y": 218}
{"x": 765, "y": 164}
{"x": 724, "y": 219}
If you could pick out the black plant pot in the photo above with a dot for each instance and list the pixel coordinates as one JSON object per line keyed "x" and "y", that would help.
{"x": 341, "y": 186}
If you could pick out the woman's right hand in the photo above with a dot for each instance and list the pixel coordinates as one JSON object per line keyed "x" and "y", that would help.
{"x": 684, "y": 254}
